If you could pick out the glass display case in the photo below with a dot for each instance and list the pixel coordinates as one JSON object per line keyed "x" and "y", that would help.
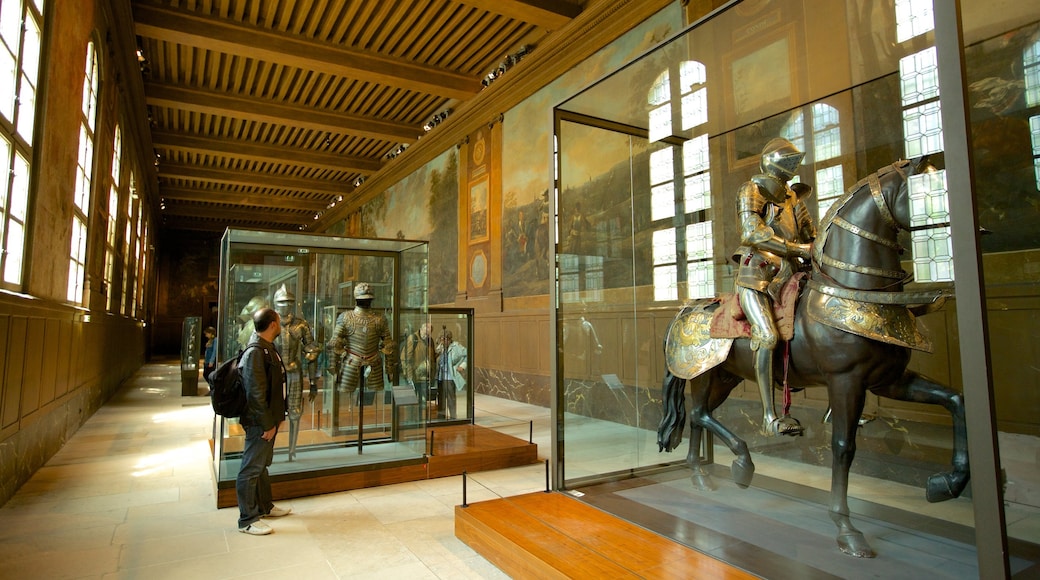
{"x": 653, "y": 161}
{"x": 323, "y": 287}
{"x": 191, "y": 341}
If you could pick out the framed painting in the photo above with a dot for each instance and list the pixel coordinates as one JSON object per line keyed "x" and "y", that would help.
{"x": 478, "y": 210}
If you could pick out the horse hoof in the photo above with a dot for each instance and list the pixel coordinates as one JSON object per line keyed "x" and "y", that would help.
{"x": 702, "y": 482}
{"x": 855, "y": 545}
{"x": 743, "y": 470}
{"x": 945, "y": 486}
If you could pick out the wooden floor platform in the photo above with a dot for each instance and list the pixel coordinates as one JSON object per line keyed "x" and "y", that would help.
{"x": 451, "y": 450}
{"x": 551, "y": 535}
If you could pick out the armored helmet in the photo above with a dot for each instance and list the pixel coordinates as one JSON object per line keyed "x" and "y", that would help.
{"x": 255, "y": 303}
{"x": 780, "y": 158}
{"x": 284, "y": 296}
{"x": 363, "y": 290}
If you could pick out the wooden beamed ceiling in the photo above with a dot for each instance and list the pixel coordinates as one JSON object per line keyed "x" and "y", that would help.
{"x": 266, "y": 113}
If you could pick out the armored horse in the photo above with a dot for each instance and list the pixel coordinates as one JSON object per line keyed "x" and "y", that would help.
{"x": 853, "y": 332}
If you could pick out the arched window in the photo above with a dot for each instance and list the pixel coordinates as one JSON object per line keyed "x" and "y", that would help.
{"x": 21, "y": 23}
{"x": 680, "y": 185}
{"x": 1031, "y": 72}
{"x": 111, "y": 255}
{"x": 824, "y": 153}
{"x": 84, "y": 178}
{"x": 932, "y": 246}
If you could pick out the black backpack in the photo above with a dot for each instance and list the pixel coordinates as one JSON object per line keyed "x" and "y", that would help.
{"x": 226, "y": 393}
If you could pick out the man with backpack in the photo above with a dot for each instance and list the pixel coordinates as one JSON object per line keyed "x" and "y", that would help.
{"x": 263, "y": 379}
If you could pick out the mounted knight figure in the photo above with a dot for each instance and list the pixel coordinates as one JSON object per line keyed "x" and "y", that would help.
{"x": 850, "y": 330}
{"x": 776, "y": 232}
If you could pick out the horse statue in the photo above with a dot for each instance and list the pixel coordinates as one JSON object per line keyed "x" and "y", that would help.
{"x": 853, "y": 331}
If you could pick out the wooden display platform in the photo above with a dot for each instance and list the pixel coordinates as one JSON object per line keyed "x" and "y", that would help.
{"x": 455, "y": 449}
{"x": 551, "y": 535}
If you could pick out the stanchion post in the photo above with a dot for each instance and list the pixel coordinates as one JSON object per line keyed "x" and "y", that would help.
{"x": 464, "y": 504}
{"x": 530, "y": 432}
{"x": 547, "y": 490}
{"x": 431, "y": 442}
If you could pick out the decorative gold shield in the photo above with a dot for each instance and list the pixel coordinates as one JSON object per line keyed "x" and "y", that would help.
{"x": 688, "y": 349}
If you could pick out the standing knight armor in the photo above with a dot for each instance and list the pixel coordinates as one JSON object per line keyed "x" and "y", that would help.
{"x": 298, "y": 349}
{"x": 776, "y": 229}
{"x": 360, "y": 338}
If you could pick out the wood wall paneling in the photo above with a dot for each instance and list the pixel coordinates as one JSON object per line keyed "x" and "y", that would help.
{"x": 490, "y": 344}
{"x": 530, "y": 342}
{"x": 6, "y": 387}
{"x": 32, "y": 379}
{"x": 49, "y": 354}
{"x": 15, "y": 368}
{"x": 75, "y": 356}
{"x": 63, "y": 349}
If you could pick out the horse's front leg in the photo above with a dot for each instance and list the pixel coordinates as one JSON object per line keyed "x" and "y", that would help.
{"x": 914, "y": 387}
{"x": 701, "y": 479}
{"x": 846, "y": 398}
{"x": 707, "y": 392}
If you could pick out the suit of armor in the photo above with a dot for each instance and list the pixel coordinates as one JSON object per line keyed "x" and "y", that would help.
{"x": 775, "y": 230}
{"x": 298, "y": 349}
{"x": 360, "y": 337}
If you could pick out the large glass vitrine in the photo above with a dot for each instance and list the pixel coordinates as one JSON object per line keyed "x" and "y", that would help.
{"x": 335, "y": 424}
{"x": 650, "y": 160}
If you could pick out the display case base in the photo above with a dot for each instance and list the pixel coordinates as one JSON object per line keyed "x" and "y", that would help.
{"x": 551, "y": 535}
{"x": 455, "y": 449}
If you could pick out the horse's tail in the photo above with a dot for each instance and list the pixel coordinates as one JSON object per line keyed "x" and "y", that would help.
{"x": 673, "y": 418}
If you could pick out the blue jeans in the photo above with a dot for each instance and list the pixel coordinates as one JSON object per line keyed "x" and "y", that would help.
{"x": 253, "y": 486}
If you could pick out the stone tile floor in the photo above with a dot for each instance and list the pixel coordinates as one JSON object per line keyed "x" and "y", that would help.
{"x": 131, "y": 495}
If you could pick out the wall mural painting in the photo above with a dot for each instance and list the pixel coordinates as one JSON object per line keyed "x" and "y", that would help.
{"x": 526, "y": 174}
{"x": 423, "y": 207}
{"x": 190, "y": 284}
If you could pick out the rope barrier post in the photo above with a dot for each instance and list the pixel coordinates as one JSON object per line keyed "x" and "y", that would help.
{"x": 464, "y": 504}
{"x": 530, "y": 432}
{"x": 431, "y": 442}
{"x": 547, "y": 490}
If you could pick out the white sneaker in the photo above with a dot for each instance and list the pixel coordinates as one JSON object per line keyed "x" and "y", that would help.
{"x": 277, "y": 512}
{"x": 257, "y": 528}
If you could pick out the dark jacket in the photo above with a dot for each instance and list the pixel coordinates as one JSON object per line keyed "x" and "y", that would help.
{"x": 262, "y": 367}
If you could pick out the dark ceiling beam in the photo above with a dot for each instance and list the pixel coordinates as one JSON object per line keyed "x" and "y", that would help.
{"x": 246, "y": 199}
{"x": 263, "y": 153}
{"x": 549, "y": 14}
{"x": 173, "y": 222}
{"x": 221, "y": 35}
{"x": 250, "y": 179}
{"x": 263, "y": 111}
{"x": 244, "y": 215}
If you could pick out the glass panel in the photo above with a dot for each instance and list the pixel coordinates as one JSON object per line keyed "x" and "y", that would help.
{"x": 857, "y": 85}
{"x": 5, "y": 170}
{"x": 26, "y": 110}
{"x": 8, "y": 82}
{"x": 1001, "y": 69}
{"x": 347, "y": 307}
{"x": 20, "y": 188}
{"x": 15, "y": 252}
